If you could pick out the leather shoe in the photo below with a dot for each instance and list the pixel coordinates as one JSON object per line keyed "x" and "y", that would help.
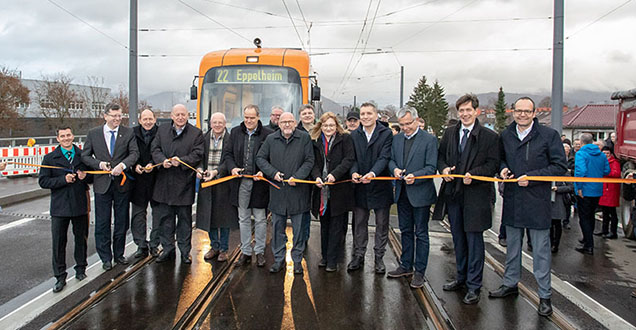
{"x": 80, "y": 276}
{"x": 545, "y": 307}
{"x": 503, "y": 291}
{"x": 222, "y": 256}
{"x": 322, "y": 263}
{"x": 356, "y": 263}
{"x": 453, "y": 286}
{"x": 298, "y": 268}
{"x": 502, "y": 242}
{"x": 260, "y": 260}
{"x": 581, "y": 241}
{"x": 471, "y": 297}
{"x": 165, "y": 257}
{"x": 107, "y": 265}
{"x": 600, "y": 233}
{"x": 380, "y": 268}
{"x": 554, "y": 249}
{"x": 399, "y": 272}
{"x": 187, "y": 259}
{"x": 610, "y": 236}
{"x": 141, "y": 253}
{"x": 211, "y": 254}
{"x": 276, "y": 267}
{"x": 634, "y": 294}
{"x": 588, "y": 251}
{"x": 331, "y": 268}
{"x": 418, "y": 280}
{"x": 242, "y": 260}
{"x": 59, "y": 285}
{"x": 121, "y": 260}
{"x": 154, "y": 252}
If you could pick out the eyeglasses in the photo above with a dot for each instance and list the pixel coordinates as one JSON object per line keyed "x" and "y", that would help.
{"x": 407, "y": 124}
{"x": 525, "y": 112}
{"x": 114, "y": 116}
{"x": 328, "y": 125}
{"x": 286, "y": 122}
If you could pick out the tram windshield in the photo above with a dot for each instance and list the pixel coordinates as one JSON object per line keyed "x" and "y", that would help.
{"x": 228, "y": 89}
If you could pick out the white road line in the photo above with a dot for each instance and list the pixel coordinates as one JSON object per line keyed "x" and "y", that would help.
{"x": 586, "y": 303}
{"x": 46, "y": 212}
{"x": 15, "y": 223}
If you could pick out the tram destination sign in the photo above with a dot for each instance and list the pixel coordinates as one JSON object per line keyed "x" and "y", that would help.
{"x": 243, "y": 75}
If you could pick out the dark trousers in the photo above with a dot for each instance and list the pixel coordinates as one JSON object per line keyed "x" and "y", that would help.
{"x": 59, "y": 231}
{"x": 555, "y": 232}
{"x": 414, "y": 234}
{"x": 138, "y": 226}
{"x": 361, "y": 231}
{"x": 610, "y": 220}
{"x": 586, "y": 208}
{"x": 104, "y": 204}
{"x": 183, "y": 228}
{"x": 469, "y": 248}
{"x": 306, "y": 226}
{"x": 332, "y": 229}
{"x": 279, "y": 236}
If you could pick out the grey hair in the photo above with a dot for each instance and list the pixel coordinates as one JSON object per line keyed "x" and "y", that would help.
{"x": 402, "y": 112}
{"x": 587, "y": 138}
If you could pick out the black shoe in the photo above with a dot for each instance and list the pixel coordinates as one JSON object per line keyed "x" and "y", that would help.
{"x": 242, "y": 260}
{"x": 260, "y": 260}
{"x": 356, "y": 263}
{"x": 141, "y": 253}
{"x": 600, "y": 233}
{"x": 399, "y": 272}
{"x": 418, "y": 280}
{"x": 380, "y": 268}
{"x": 107, "y": 265}
{"x": 186, "y": 259}
{"x": 277, "y": 267}
{"x": 567, "y": 226}
{"x": 502, "y": 242}
{"x": 610, "y": 236}
{"x": 589, "y": 251}
{"x": 322, "y": 263}
{"x": 59, "y": 285}
{"x": 582, "y": 241}
{"x": 471, "y": 297}
{"x": 634, "y": 294}
{"x": 121, "y": 260}
{"x": 298, "y": 268}
{"x": 331, "y": 268}
{"x": 554, "y": 249}
{"x": 165, "y": 257}
{"x": 453, "y": 286}
{"x": 545, "y": 307}
{"x": 80, "y": 276}
{"x": 154, "y": 252}
{"x": 503, "y": 291}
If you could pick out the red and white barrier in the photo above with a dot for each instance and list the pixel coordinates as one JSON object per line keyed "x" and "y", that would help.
{"x": 29, "y": 155}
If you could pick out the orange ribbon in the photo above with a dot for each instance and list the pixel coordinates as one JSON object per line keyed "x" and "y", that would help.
{"x": 123, "y": 179}
{"x": 230, "y": 177}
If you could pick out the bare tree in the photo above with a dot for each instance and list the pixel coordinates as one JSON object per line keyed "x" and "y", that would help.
{"x": 58, "y": 100}
{"x": 121, "y": 99}
{"x": 14, "y": 99}
{"x": 95, "y": 96}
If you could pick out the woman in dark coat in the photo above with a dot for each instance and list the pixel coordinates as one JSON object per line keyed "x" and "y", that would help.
{"x": 334, "y": 156}
{"x": 560, "y": 203}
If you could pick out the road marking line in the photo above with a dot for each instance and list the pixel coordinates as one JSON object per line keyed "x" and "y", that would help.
{"x": 46, "y": 212}
{"x": 15, "y": 223}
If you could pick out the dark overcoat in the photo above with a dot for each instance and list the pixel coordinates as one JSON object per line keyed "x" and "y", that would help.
{"x": 294, "y": 157}
{"x": 481, "y": 158}
{"x": 213, "y": 203}
{"x": 339, "y": 161}
{"x": 143, "y": 183}
{"x": 175, "y": 185}
{"x": 373, "y": 156}
{"x": 67, "y": 199}
{"x": 539, "y": 154}
{"x": 234, "y": 157}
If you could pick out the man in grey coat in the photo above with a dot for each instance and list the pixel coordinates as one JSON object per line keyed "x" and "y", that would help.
{"x": 286, "y": 155}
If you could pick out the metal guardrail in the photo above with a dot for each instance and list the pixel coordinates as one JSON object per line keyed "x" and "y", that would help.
{"x": 41, "y": 140}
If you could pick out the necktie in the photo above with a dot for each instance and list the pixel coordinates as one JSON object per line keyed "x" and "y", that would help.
{"x": 112, "y": 142}
{"x": 462, "y": 143}
{"x": 68, "y": 156}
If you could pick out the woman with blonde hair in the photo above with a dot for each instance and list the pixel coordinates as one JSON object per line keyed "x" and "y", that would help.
{"x": 334, "y": 155}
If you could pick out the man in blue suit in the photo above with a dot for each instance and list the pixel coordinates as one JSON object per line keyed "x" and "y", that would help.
{"x": 413, "y": 153}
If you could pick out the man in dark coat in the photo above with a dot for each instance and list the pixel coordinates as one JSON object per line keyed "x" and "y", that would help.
{"x": 528, "y": 149}
{"x": 468, "y": 149}
{"x": 113, "y": 148}
{"x": 214, "y": 214}
{"x": 274, "y": 117}
{"x": 372, "y": 144}
{"x": 248, "y": 196}
{"x": 143, "y": 185}
{"x": 69, "y": 204}
{"x": 287, "y": 155}
{"x": 413, "y": 153}
{"x": 175, "y": 183}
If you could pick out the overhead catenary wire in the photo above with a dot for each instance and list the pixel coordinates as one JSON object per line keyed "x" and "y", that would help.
{"x": 215, "y": 21}
{"x": 598, "y": 19}
{"x": 292, "y": 21}
{"x": 302, "y": 14}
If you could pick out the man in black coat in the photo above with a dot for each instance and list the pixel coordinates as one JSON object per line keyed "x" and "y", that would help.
{"x": 468, "y": 149}
{"x": 113, "y": 148}
{"x": 249, "y": 196}
{"x": 143, "y": 185}
{"x": 175, "y": 183}
{"x": 274, "y": 117}
{"x": 372, "y": 143}
{"x": 528, "y": 149}
{"x": 69, "y": 204}
{"x": 287, "y": 155}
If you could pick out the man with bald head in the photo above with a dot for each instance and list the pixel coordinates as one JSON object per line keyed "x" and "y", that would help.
{"x": 287, "y": 155}
{"x": 176, "y": 143}
{"x": 144, "y": 182}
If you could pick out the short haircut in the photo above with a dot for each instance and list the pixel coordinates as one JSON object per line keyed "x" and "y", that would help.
{"x": 253, "y": 106}
{"x": 407, "y": 109}
{"x": 587, "y": 138}
{"x": 277, "y": 107}
{"x": 149, "y": 109}
{"x": 369, "y": 104}
{"x": 61, "y": 128}
{"x": 472, "y": 98}
{"x": 306, "y": 106}
{"x": 396, "y": 127}
{"x": 523, "y": 98}
{"x": 111, "y": 106}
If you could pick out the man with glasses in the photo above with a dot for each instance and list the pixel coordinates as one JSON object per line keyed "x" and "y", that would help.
{"x": 277, "y": 110}
{"x": 112, "y": 148}
{"x": 528, "y": 149}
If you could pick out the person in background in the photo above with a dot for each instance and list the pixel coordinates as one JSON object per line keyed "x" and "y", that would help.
{"x": 307, "y": 122}
{"x": 576, "y": 145}
{"x": 610, "y": 199}
{"x": 277, "y": 110}
{"x": 421, "y": 123}
{"x": 568, "y": 198}
{"x": 395, "y": 128}
{"x": 558, "y": 197}
{"x": 353, "y": 121}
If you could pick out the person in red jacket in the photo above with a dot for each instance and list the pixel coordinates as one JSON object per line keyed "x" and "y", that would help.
{"x": 611, "y": 197}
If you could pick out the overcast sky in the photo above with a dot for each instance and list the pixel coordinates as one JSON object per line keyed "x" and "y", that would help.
{"x": 467, "y": 45}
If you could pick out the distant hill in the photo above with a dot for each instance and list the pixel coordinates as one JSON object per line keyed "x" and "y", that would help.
{"x": 164, "y": 101}
{"x": 571, "y": 98}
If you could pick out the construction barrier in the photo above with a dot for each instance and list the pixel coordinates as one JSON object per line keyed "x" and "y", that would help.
{"x": 29, "y": 155}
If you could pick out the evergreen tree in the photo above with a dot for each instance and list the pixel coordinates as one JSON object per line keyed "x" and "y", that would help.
{"x": 417, "y": 100}
{"x": 500, "y": 111}
{"x": 438, "y": 112}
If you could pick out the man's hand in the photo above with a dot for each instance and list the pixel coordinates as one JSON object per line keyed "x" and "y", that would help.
{"x": 117, "y": 170}
{"x": 291, "y": 181}
{"x": 104, "y": 166}
{"x": 505, "y": 174}
{"x": 448, "y": 171}
{"x": 139, "y": 169}
{"x": 630, "y": 176}
{"x": 167, "y": 163}
{"x": 355, "y": 177}
{"x": 398, "y": 173}
{"x": 367, "y": 178}
{"x": 523, "y": 182}
{"x": 237, "y": 171}
{"x": 175, "y": 161}
{"x": 209, "y": 175}
{"x": 70, "y": 178}
{"x": 81, "y": 175}
{"x": 409, "y": 178}
{"x": 467, "y": 179}
{"x": 148, "y": 168}
{"x": 257, "y": 174}
{"x": 319, "y": 183}
{"x": 580, "y": 193}
{"x": 331, "y": 178}
{"x": 279, "y": 176}
{"x": 554, "y": 188}
{"x": 3, "y": 165}
{"x": 201, "y": 173}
